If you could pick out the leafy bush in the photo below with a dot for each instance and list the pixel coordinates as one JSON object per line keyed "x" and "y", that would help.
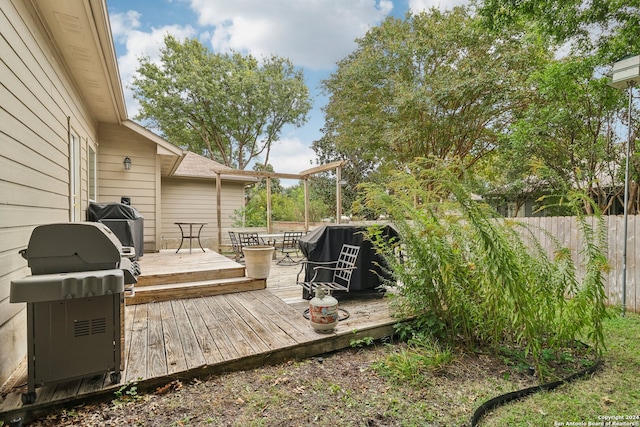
{"x": 470, "y": 278}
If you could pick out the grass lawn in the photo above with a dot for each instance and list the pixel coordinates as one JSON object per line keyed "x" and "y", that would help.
{"x": 614, "y": 391}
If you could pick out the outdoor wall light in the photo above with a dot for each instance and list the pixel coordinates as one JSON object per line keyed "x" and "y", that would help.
{"x": 127, "y": 163}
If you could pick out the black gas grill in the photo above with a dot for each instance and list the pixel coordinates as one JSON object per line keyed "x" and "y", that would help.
{"x": 75, "y": 302}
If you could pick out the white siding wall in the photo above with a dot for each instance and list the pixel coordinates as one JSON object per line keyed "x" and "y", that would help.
{"x": 139, "y": 183}
{"x": 38, "y": 103}
{"x": 191, "y": 200}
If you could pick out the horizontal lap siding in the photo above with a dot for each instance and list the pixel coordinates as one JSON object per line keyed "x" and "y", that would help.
{"x": 139, "y": 183}
{"x": 36, "y": 98}
{"x": 191, "y": 200}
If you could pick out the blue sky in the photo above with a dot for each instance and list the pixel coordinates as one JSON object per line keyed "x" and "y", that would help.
{"x": 313, "y": 34}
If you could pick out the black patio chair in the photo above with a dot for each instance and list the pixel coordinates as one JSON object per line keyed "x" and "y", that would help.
{"x": 341, "y": 270}
{"x": 249, "y": 239}
{"x": 289, "y": 246}
{"x": 236, "y": 246}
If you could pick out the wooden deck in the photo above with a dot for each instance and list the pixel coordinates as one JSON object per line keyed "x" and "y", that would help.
{"x": 199, "y": 336}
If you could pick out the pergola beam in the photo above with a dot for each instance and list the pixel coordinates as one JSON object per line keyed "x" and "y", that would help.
{"x": 304, "y": 176}
{"x": 322, "y": 168}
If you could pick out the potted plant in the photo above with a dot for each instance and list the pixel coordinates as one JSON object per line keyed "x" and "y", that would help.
{"x": 258, "y": 260}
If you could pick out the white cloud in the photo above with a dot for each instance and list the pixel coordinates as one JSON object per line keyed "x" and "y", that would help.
{"x": 313, "y": 34}
{"x": 291, "y": 155}
{"x": 124, "y": 28}
{"x": 420, "y": 5}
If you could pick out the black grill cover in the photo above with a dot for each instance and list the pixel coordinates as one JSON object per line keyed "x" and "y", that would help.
{"x": 324, "y": 244}
{"x": 123, "y": 220}
{"x": 97, "y": 211}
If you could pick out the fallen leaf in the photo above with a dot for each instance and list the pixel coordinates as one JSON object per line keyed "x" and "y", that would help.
{"x": 607, "y": 400}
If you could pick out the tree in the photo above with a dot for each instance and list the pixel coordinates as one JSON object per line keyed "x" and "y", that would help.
{"x": 435, "y": 83}
{"x": 228, "y": 107}
{"x": 565, "y": 138}
{"x": 572, "y": 128}
{"x": 607, "y": 28}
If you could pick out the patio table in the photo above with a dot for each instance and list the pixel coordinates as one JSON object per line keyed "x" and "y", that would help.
{"x": 190, "y": 235}
{"x": 271, "y": 238}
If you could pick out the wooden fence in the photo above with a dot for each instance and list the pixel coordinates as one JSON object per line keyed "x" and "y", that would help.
{"x": 566, "y": 231}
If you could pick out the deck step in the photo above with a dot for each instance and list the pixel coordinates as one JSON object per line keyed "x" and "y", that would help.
{"x": 191, "y": 276}
{"x": 171, "y": 291}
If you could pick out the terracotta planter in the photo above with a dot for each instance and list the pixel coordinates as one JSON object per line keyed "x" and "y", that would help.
{"x": 257, "y": 259}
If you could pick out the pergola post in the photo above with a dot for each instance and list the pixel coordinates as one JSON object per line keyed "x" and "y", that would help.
{"x": 218, "y": 210}
{"x": 338, "y": 195}
{"x": 306, "y": 204}
{"x": 268, "y": 204}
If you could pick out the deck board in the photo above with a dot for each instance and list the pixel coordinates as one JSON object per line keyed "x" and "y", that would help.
{"x": 227, "y": 330}
{"x": 206, "y": 342}
{"x": 260, "y": 322}
{"x": 249, "y": 342}
{"x": 156, "y": 357}
{"x": 190, "y": 337}
{"x": 217, "y": 334}
{"x": 285, "y": 318}
{"x": 137, "y": 360}
{"x": 176, "y": 361}
{"x": 192, "y": 352}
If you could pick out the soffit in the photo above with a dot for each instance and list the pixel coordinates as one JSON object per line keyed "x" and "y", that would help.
{"x": 80, "y": 32}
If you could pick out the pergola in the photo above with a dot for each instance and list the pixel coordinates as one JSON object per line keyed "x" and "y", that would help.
{"x": 303, "y": 176}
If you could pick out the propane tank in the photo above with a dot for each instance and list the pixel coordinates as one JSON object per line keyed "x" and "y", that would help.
{"x": 323, "y": 311}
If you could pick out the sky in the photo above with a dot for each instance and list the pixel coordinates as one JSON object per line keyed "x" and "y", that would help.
{"x": 313, "y": 34}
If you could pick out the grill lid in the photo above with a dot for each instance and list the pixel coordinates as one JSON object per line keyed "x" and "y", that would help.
{"x": 71, "y": 247}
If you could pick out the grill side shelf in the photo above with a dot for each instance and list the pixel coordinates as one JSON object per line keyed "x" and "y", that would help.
{"x": 60, "y": 286}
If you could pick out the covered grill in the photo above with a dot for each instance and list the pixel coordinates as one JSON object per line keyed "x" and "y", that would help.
{"x": 324, "y": 244}
{"x": 124, "y": 220}
{"x": 75, "y": 302}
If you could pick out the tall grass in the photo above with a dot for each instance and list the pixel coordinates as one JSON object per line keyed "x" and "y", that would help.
{"x": 469, "y": 277}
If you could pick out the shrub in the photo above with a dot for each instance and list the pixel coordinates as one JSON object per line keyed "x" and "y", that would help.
{"x": 469, "y": 277}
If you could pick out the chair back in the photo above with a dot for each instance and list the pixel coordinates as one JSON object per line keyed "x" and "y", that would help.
{"x": 249, "y": 239}
{"x": 235, "y": 244}
{"x": 290, "y": 239}
{"x": 344, "y": 266}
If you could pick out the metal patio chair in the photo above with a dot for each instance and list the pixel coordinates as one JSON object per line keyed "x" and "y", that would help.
{"x": 236, "y": 246}
{"x": 341, "y": 271}
{"x": 249, "y": 239}
{"x": 289, "y": 246}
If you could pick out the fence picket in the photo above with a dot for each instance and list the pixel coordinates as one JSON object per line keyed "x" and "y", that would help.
{"x": 565, "y": 230}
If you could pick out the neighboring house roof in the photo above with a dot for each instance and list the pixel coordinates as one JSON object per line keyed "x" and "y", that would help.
{"x": 195, "y": 166}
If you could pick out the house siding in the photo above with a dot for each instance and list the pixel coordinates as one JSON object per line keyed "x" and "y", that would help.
{"x": 191, "y": 200}
{"x": 139, "y": 183}
{"x": 39, "y": 105}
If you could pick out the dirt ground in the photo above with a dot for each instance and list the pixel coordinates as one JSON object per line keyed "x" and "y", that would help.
{"x": 339, "y": 389}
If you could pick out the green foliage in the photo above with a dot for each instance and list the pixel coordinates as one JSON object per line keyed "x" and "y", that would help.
{"x": 227, "y": 106}
{"x": 413, "y": 363}
{"x": 566, "y": 137}
{"x": 472, "y": 279}
{"x": 615, "y": 22}
{"x": 287, "y": 204}
{"x": 362, "y": 342}
{"x": 127, "y": 393}
{"x": 435, "y": 83}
